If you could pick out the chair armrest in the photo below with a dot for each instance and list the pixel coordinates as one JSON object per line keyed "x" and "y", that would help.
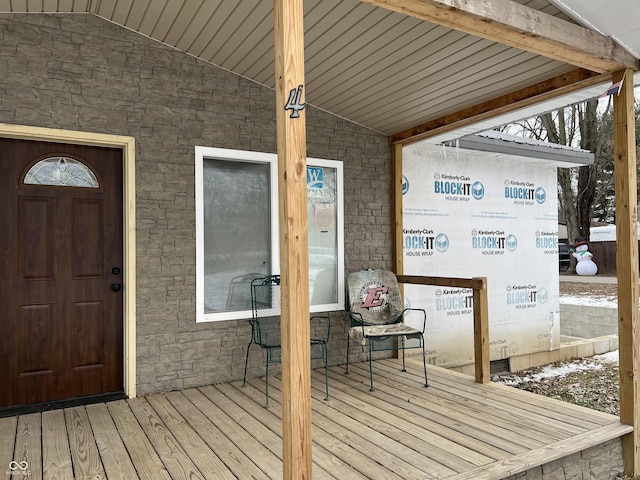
{"x": 357, "y": 320}
{"x": 424, "y": 316}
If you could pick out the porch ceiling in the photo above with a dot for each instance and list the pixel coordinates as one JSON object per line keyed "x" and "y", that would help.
{"x": 382, "y": 69}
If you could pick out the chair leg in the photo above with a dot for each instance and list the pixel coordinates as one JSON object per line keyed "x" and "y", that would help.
{"x": 370, "y": 366}
{"x": 404, "y": 367}
{"x": 246, "y": 362}
{"x": 326, "y": 371}
{"x": 266, "y": 381}
{"x": 347, "y": 368}
{"x": 424, "y": 363}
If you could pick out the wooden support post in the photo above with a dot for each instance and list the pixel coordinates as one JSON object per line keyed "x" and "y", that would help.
{"x": 396, "y": 205}
{"x": 624, "y": 147}
{"x": 481, "y": 332}
{"x": 294, "y": 260}
{"x": 396, "y": 192}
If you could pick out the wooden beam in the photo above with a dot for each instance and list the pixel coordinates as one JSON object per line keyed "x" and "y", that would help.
{"x": 294, "y": 262}
{"x": 516, "y": 25}
{"x": 451, "y": 282}
{"x": 624, "y": 152}
{"x": 554, "y": 87}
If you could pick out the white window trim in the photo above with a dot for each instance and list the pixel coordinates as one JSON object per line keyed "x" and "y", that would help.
{"x": 272, "y": 159}
{"x": 337, "y": 165}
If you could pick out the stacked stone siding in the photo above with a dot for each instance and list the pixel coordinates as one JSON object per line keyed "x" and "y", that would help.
{"x": 80, "y": 72}
{"x": 602, "y": 462}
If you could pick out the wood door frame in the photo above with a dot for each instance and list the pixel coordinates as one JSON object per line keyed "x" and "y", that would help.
{"x": 127, "y": 144}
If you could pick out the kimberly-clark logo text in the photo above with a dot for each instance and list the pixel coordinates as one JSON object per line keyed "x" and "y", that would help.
{"x": 454, "y": 301}
{"x": 524, "y": 193}
{"x": 493, "y": 242}
{"x": 424, "y": 242}
{"x": 457, "y": 188}
{"x": 526, "y": 296}
{"x": 547, "y": 242}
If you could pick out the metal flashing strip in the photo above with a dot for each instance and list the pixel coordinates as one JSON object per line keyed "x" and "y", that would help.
{"x": 562, "y": 157}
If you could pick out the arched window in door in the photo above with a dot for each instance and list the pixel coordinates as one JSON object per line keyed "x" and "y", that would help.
{"x": 61, "y": 172}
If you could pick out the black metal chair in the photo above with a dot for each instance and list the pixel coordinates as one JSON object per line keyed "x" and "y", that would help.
{"x": 265, "y": 329}
{"x": 375, "y": 309}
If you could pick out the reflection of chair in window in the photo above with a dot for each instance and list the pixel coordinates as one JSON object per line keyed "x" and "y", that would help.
{"x": 265, "y": 329}
{"x": 378, "y": 317}
{"x": 237, "y": 298}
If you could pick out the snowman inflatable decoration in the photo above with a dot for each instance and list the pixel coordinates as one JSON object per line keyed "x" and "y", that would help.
{"x": 585, "y": 265}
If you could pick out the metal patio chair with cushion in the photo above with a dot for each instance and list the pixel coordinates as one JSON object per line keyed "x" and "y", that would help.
{"x": 377, "y": 316}
{"x": 265, "y": 329}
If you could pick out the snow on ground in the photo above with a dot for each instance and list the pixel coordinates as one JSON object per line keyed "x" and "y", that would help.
{"x": 608, "y": 357}
{"x": 591, "y": 382}
{"x": 563, "y": 369}
{"x": 590, "y": 301}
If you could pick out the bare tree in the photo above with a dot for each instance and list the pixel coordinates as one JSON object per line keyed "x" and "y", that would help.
{"x": 584, "y": 193}
{"x": 590, "y": 137}
{"x": 561, "y": 127}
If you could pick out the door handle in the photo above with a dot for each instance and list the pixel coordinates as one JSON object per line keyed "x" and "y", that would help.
{"x": 116, "y": 287}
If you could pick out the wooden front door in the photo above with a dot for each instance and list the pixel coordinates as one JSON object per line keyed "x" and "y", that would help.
{"x": 61, "y": 253}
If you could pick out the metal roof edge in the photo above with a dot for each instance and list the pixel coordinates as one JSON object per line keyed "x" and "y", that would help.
{"x": 560, "y": 157}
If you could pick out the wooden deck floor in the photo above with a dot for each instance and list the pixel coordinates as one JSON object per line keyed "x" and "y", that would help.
{"x": 455, "y": 429}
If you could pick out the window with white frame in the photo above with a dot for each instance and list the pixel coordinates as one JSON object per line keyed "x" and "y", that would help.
{"x": 237, "y": 230}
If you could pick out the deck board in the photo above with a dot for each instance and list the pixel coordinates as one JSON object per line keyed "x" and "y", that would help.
{"x": 205, "y": 459}
{"x": 479, "y": 410}
{"x": 115, "y": 458}
{"x": 565, "y": 414}
{"x": 273, "y": 422}
{"x": 171, "y": 454}
{"x": 143, "y": 456}
{"x": 233, "y": 423}
{"x": 28, "y": 444}
{"x": 7, "y": 443}
{"x": 236, "y": 460}
{"x": 84, "y": 451}
{"x": 340, "y": 426}
{"x": 441, "y": 401}
{"x": 56, "y": 455}
{"x": 427, "y": 437}
{"x": 461, "y": 423}
{"x": 455, "y": 429}
{"x": 326, "y": 445}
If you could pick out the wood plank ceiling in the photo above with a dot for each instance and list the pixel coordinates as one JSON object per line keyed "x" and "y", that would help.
{"x": 381, "y": 69}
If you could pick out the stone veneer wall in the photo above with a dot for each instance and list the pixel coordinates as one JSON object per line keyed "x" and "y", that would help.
{"x": 602, "y": 462}
{"x": 80, "y": 72}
